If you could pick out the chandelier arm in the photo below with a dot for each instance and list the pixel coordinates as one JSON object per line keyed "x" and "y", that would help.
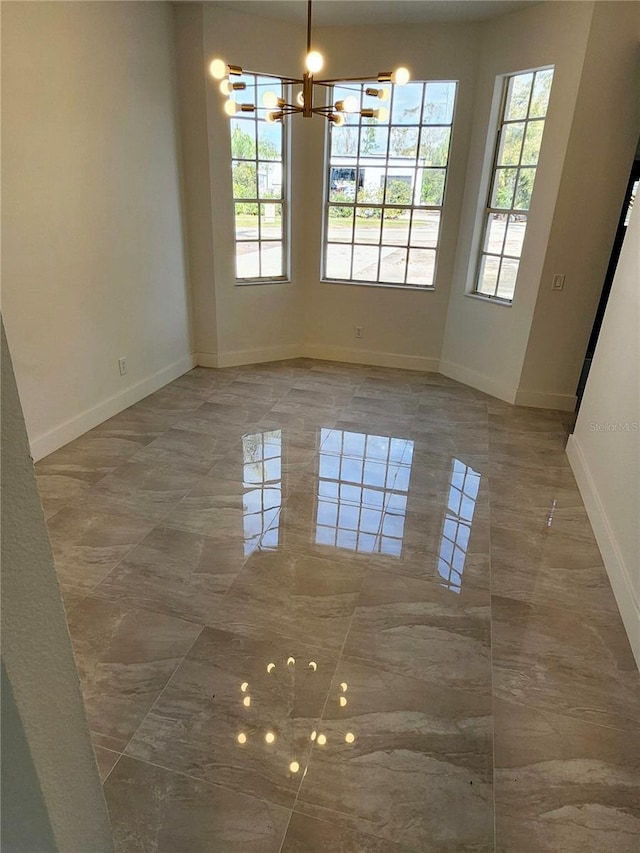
{"x": 273, "y": 76}
{"x": 330, "y": 82}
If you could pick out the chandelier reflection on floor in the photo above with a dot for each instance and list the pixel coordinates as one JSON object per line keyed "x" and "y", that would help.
{"x": 277, "y": 108}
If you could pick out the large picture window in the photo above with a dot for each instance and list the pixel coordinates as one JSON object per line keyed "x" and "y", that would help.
{"x": 524, "y": 109}
{"x": 258, "y": 163}
{"x": 386, "y": 184}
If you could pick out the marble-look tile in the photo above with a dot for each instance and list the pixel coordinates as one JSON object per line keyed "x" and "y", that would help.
{"x": 309, "y": 835}
{"x": 155, "y": 811}
{"x": 224, "y": 420}
{"x": 551, "y": 570}
{"x": 187, "y": 451}
{"x": 125, "y": 658}
{"x": 59, "y": 489}
{"x": 87, "y": 544}
{"x": 195, "y": 725}
{"x": 560, "y": 660}
{"x": 175, "y": 572}
{"x": 421, "y": 629}
{"x": 563, "y": 784}
{"x": 143, "y": 489}
{"x": 292, "y": 596}
{"x": 106, "y": 760}
{"x": 403, "y": 761}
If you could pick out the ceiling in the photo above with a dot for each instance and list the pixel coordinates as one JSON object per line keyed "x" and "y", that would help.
{"x": 348, "y": 12}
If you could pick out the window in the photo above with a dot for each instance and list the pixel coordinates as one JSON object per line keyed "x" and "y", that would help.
{"x": 526, "y": 98}
{"x": 386, "y": 184}
{"x": 258, "y": 166}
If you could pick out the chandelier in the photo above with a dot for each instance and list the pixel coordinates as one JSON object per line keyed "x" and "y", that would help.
{"x": 277, "y": 109}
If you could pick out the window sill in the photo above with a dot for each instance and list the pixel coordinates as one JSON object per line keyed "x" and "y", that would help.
{"x": 414, "y": 288}
{"x": 493, "y": 300}
{"x": 250, "y": 282}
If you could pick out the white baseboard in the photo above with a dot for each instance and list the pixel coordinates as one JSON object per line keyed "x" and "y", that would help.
{"x": 46, "y": 443}
{"x": 619, "y": 574}
{"x": 235, "y": 358}
{"x": 477, "y": 380}
{"x": 372, "y": 357}
{"x": 542, "y": 400}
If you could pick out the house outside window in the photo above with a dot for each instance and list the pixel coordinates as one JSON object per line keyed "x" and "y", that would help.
{"x": 259, "y": 173}
{"x": 385, "y": 186}
{"x": 523, "y": 114}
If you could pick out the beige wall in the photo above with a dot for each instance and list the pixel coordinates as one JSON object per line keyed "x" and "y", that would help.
{"x": 400, "y": 327}
{"x": 52, "y": 798}
{"x": 604, "y": 449}
{"x": 92, "y": 243}
{"x": 604, "y": 136}
{"x": 485, "y": 343}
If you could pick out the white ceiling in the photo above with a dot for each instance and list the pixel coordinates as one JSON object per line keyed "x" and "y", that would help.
{"x": 347, "y": 12}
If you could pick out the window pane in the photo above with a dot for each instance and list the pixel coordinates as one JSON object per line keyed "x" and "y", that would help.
{"x": 524, "y": 189}
{"x": 340, "y": 224}
{"x": 392, "y": 265}
{"x": 271, "y": 221}
{"x": 439, "y": 99}
{"x": 496, "y": 227}
{"x": 425, "y": 228}
{"x": 243, "y": 139}
{"x": 508, "y": 273}
{"x": 403, "y": 142}
{"x": 246, "y": 221}
{"x": 271, "y": 259}
{"x": 434, "y": 146}
{"x": 515, "y": 235}
{"x": 532, "y": 142}
{"x": 247, "y": 260}
{"x": 244, "y": 179}
{"x": 399, "y": 187}
{"x": 365, "y": 263}
{"x": 269, "y": 141}
{"x": 338, "y": 261}
{"x": 368, "y": 220}
{"x": 511, "y": 144}
{"x": 373, "y": 141}
{"x": 395, "y": 227}
{"x": 503, "y": 188}
{"x": 269, "y": 180}
{"x": 421, "y": 267}
{"x": 343, "y": 183}
{"x": 541, "y": 92}
{"x": 344, "y": 140}
{"x": 518, "y": 92}
{"x": 488, "y": 275}
{"x": 407, "y": 104}
{"x": 432, "y": 187}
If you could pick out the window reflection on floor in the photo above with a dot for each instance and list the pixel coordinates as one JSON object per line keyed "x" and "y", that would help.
{"x": 363, "y": 481}
{"x": 456, "y": 528}
{"x": 262, "y": 482}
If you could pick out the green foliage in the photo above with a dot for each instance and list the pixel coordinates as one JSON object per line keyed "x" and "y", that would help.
{"x": 398, "y": 192}
{"x": 432, "y": 188}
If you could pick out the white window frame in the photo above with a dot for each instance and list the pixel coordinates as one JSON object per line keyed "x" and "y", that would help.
{"x": 513, "y": 213}
{"x": 361, "y": 165}
{"x": 256, "y": 118}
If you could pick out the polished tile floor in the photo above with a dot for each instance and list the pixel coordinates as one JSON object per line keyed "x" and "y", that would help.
{"x": 320, "y": 607}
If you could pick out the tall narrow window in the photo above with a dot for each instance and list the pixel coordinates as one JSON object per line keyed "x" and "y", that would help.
{"x": 258, "y": 153}
{"x": 386, "y": 184}
{"x": 525, "y": 102}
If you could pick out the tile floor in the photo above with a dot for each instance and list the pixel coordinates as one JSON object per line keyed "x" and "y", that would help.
{"x": 320, "y": 607}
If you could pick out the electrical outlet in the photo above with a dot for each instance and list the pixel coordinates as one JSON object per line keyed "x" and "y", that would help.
{"x": 558, "y": 282}
{"x": 358, "y": 331}
{"x": 122, "y": 366}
